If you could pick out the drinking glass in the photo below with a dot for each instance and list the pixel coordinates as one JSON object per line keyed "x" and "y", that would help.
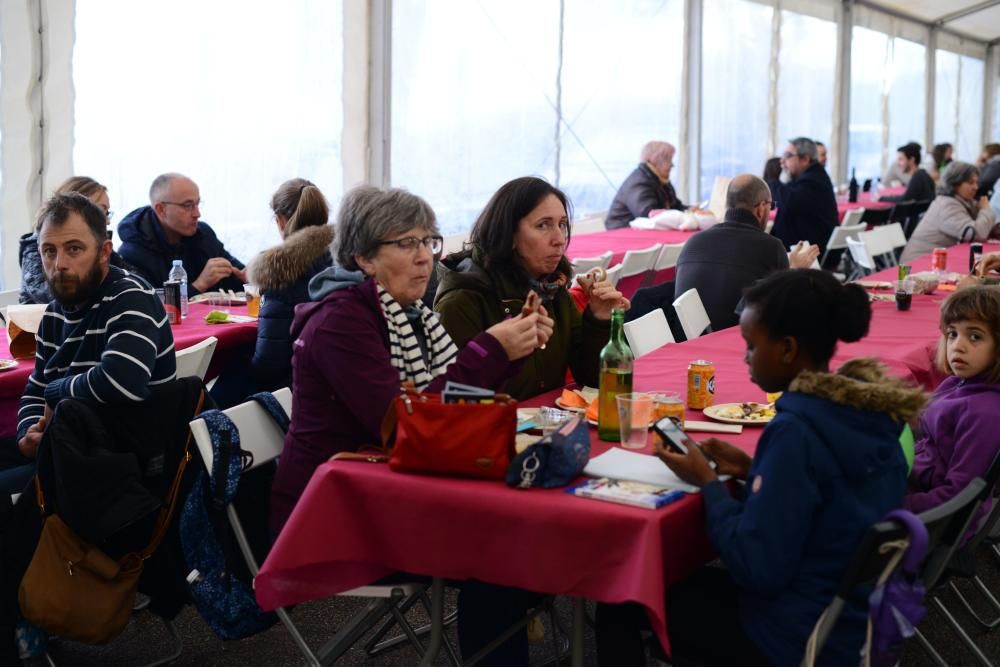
{"x": 634, "y": 412}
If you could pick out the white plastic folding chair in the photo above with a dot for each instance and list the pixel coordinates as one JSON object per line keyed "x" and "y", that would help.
{"x": 691, "y": 312}
{"x": 863, "y": 262}
{"x": 615, "y": 274}
{"x": 668, "y": 256}
{"x": 852, "y": 217}
{"x": 262, "y": 437}
{"x": 879, "y": 244}
{"x": 584, "y": 264}
{"x": 647, "y": 333}
{"x": 194, "y": 360}
{"x": 895, "y": 237}
{"x": 839, "y": 235}
{"x": 638, "y": 262}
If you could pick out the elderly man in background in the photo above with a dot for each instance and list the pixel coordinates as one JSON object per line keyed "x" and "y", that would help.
{"x": 168, "y": 229}
{"x": 647, "y": 188}
{"x": 723, "y": 260}
{"x": 807, "y": 208}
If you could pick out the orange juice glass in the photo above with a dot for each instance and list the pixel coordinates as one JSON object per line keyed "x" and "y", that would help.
{"x": 253, "y": 300}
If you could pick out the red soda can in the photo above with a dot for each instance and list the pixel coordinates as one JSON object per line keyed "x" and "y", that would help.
{"x": 939, "y": 260}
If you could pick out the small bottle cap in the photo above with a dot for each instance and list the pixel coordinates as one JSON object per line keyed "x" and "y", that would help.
{"x": 193, "y": 576}
{"x": 177, "y": 262}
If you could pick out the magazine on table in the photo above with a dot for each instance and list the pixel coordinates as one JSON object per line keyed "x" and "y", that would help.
{"x": 637, "y": 494}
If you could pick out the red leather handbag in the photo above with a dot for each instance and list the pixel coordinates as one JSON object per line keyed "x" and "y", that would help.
{"x": 461, "y": 439}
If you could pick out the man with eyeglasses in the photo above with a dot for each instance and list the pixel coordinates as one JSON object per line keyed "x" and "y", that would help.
{"x": 168, "y": 229}
{"x": 647, "y": 188}
{"x": 725, "y": 259}
{"x": 807, "y": 207}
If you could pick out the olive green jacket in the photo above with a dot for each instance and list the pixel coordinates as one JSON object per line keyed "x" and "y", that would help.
{"x": 470, "y": 300}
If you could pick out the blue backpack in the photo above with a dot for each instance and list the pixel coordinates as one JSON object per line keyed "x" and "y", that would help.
{"x": 223, "y": 599}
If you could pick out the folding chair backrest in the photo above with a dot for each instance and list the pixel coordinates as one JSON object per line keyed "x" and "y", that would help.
{"x": 839, "y": 236}
{"x": 876, "y": 216}
{"x": 859, "y": 253}
{"x": 869, "y": 562}
{"x": 668, "y": 256}
{"x": 893, "y": 235}
{"x": 258, "y": 432}
{"x": 584, "y": 264}
{"x": 992, "y": 478}
{"x": 852, "y": 217}
{"x": 876, "y": 241}
{"x": 946, "y": 525}
{"x": 691, "y": 312}
{"x": 901, "y": 211}
{"x": 194, "y": 360}
{"x": 615, "y": 274}
{"x": 637, "y": 262}
{"x": 648, "y": 333}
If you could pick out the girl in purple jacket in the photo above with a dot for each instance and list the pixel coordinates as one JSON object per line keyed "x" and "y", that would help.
{"x": 959, "y": 428}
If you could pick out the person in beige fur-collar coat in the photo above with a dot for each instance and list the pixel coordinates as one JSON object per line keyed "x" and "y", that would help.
{"x": 282, "y": 274}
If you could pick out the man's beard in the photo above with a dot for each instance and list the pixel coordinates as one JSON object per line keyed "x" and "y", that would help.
{"x": 72, "y": 292}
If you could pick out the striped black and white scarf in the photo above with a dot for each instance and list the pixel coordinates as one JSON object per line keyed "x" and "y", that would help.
{"x": 404, "y": 348}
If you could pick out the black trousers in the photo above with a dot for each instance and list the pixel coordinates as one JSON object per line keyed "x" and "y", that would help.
{"x": 703, "y": 624}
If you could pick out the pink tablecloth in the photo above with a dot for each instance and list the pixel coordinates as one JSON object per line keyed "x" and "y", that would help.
{"x": 235, "y": 341}
{"x": 357, "y": 522}
{"x": 620, "y": 240}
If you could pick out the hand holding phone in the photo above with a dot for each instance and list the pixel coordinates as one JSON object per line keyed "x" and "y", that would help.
{"x": 677, "y": 440}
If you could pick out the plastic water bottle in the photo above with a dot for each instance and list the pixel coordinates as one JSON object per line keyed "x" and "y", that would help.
{"x": 178, "y": 273}
{"x": 876, "y": 188}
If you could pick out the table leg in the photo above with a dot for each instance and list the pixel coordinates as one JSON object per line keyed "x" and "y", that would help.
{"x": 437, "y": 622}
{"x": 576, "y": 643}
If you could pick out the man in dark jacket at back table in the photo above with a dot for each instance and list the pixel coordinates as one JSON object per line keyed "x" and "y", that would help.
{"x": 920, "y": 187}
{"x": 168, "y": 229}
{"x": 647, "y": 188}
{"x": 807, "y": 208}
{"x": 723, "y": 260}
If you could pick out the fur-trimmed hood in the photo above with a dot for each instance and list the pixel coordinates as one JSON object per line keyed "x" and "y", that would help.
{"x": 863, "y": 384}
{"x": 279, "y": 268}
{"x": 857, "y": 412}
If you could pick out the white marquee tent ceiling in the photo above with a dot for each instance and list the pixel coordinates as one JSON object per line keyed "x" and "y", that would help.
{"x": 974, "y": 18}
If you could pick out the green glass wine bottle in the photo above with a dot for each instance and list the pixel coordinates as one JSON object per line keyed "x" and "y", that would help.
{"x": 616, "y": 378}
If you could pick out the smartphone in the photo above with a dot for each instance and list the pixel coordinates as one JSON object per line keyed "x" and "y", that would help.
{"x": 677, "y": 439}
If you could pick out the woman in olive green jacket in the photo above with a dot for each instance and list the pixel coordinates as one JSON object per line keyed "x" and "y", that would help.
{"x": 518, "y": 245}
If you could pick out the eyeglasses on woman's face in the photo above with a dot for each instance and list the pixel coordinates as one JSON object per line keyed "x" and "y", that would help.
{"x": 411, "y": 243}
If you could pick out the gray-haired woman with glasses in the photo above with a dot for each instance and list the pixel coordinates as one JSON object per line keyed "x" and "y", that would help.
{"x": 955, "y": 215}
{"x": 366, "y": 332}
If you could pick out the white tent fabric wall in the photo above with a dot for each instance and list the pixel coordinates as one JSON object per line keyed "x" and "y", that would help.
{"x": 36, "y": 73}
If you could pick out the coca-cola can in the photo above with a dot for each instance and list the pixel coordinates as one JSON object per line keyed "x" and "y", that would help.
{"x": 172, "y": 301}
{"x": 939, "y": 260}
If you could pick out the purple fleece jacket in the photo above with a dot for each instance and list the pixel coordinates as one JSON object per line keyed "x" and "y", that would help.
{"x": 343, "y": 383}
{"x": 958, "y": 444}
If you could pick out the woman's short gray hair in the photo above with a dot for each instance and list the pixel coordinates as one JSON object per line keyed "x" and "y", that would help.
{"x": 956, "y": 174}
{"x": 369, "y": 215}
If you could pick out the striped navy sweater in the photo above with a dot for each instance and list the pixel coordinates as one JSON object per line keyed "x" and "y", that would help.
{"x": 110, "y": 351}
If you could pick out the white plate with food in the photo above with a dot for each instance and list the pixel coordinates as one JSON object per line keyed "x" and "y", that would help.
{"x": 7, "y": 364}
{"x": 571, "y": 408}
{"x": 220, "y": 298}
{"x": 741, "y": 413}
{"x": 874, "y": 284}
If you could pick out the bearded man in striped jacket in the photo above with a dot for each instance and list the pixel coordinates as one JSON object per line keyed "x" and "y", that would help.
{"x": 104, "y": 337}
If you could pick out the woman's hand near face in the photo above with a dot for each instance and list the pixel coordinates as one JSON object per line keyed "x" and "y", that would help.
{"x": 518, "y": 335}
{"x": 604, "y": 297}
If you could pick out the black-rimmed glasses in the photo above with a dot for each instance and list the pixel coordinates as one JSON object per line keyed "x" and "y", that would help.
{"x": 433, "y": 243}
